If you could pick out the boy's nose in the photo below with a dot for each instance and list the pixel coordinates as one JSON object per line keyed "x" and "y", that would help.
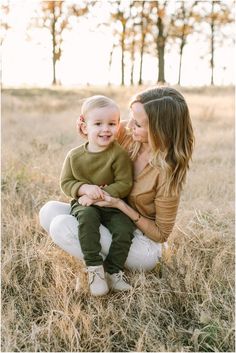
{"x": 106, "y": 128}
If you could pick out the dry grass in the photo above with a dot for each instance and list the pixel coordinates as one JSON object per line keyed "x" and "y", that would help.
{"x": 189, "y": 307}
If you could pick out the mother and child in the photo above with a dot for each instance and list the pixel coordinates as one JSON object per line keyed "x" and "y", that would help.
{"x": 125, "y": 183}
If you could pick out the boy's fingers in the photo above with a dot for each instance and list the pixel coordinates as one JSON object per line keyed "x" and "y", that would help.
{"x": 101, "y": 194}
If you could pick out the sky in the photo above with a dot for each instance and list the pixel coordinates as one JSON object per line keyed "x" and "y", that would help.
{"x": 27, "y": 61}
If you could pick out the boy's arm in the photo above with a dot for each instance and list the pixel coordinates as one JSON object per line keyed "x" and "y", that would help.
{"x": 123, "y": 176}
{"x": 69, "y": 185}
{"x": 73, "y": 187}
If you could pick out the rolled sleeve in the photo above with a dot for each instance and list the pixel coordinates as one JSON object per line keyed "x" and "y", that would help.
{"x": 166, "y": 212}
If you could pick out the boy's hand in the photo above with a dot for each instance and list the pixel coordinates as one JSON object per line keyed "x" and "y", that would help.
{"x": 85, "y": 201}
{"x": 93, "y": 191}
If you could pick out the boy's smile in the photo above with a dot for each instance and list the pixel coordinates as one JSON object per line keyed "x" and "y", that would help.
{"x": 101, "y": 126}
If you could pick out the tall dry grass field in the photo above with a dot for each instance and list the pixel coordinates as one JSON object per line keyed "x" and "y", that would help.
{"x": 188, "y": 306}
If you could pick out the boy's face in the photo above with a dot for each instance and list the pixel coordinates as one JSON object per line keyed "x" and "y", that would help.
{"x": 101, "y": 126}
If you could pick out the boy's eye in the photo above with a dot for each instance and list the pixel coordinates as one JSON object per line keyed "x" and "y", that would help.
{"x": 97, "y": 124}
{"x": 112, "y": 124}
{"x": 137, "y": 124}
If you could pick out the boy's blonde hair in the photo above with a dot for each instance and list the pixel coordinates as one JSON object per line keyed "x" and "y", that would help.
{"x": 97, "y": 101}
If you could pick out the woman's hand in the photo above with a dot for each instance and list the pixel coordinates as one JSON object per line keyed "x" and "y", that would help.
{"x": 108, "y": 201}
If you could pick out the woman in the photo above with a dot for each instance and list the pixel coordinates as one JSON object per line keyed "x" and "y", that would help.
{"x": 159, "y": 138}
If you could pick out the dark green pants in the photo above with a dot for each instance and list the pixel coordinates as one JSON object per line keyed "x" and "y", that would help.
{"x": 120, "y": 226}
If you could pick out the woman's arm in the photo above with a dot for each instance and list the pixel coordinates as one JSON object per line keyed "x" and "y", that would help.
{"x": 158, "y": 229}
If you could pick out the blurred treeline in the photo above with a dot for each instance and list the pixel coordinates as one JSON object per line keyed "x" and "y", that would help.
{"x": 138, "y": 28}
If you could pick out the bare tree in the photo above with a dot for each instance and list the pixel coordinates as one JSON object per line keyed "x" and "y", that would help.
{"x": 121, "y": 16}
{"x": 135, "y": 25}
{"x": 160, "y": 33}
{"x": 139, "y": 29}
{"x": 4, "y": 24}
{"x": 145, "y": 28}
{"x": 131, "y": 38}
{"x": 142, "y": 43}
{"x": 55, "y": 17}
{"x": 216, "y": 14}
{"x": 182, "y": 25}
{"x": 220, "y": 15}
{"x": 122, "y": 30}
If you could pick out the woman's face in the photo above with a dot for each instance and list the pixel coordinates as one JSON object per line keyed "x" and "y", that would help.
{"x": 138, "y": 123}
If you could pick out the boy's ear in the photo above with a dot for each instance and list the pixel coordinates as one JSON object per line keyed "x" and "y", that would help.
{"x": 83, "y": 128}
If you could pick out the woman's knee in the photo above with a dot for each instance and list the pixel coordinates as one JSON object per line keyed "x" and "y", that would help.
{"x": 50, "y": 210}
{"x": 64, "y": 233}
{"x": 142, "y": 256}
{"x": 145, "y": 263}
{"x": 63, "y": 226}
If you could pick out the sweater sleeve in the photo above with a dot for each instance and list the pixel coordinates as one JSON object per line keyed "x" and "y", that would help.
{"x": 69, "y": 185}
{"x": 123, "y": 176}
{"x": 166, "y": 211}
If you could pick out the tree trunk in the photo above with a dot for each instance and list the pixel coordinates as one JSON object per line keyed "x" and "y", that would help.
{"x": 142, "y": 45}
{"x": 132, "y": 48}
{"x": 140, "y": 81}
{"x": 185, "y": 17}
{"x": 212, "y": 42}
{"x": 110, "y": 63}
{"x": 161, "y": 50}
{"x": 123, "y": 56}
{"x": 54, "y": 47}
{"x": 180, "y": 58}
{"x": 132, "y": 54}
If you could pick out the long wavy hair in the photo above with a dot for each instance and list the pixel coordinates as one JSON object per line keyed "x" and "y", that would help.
{"x": 170, "y": 134}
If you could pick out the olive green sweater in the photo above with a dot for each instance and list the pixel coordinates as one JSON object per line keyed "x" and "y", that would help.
{"x": 111, "y": 167}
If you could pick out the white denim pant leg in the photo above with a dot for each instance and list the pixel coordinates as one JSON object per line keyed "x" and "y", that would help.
{"x": 55, "y": 218}
{"x": 50, "y": 210}
{"x": 63, "y": 228}
{"x": 144, "y": 253}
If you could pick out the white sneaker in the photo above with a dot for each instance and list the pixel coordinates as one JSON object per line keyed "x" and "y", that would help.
{"x": 117, "y": 282}
{"x": 97, "y": 282}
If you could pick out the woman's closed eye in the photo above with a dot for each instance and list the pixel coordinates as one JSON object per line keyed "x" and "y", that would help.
{"x": 137, "y": 124}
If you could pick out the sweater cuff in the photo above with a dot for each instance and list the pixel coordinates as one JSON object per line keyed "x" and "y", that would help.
{"x": 75, "y": 188}
{"x": 111, "y": 191}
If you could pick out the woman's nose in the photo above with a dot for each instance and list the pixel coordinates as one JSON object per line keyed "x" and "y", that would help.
{"x": 130, "y": 124}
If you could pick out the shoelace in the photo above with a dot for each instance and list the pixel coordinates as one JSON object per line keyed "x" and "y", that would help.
{"x": 94, "y": 272}
{"x": 120, "y": 276}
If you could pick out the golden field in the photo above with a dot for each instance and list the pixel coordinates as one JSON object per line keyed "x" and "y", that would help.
{"x": 188, "y": 306}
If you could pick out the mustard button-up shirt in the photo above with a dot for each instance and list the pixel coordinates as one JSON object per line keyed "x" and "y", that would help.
{"x": 147, "y": 197}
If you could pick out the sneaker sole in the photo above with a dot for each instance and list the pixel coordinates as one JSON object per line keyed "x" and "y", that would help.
{"x": 99, "y": 295}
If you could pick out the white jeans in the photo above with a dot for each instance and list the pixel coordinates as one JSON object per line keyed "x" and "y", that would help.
{"x": 55, "y": 218}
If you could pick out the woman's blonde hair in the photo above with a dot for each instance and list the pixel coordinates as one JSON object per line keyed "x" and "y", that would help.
{"x": 170, "y": 134}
